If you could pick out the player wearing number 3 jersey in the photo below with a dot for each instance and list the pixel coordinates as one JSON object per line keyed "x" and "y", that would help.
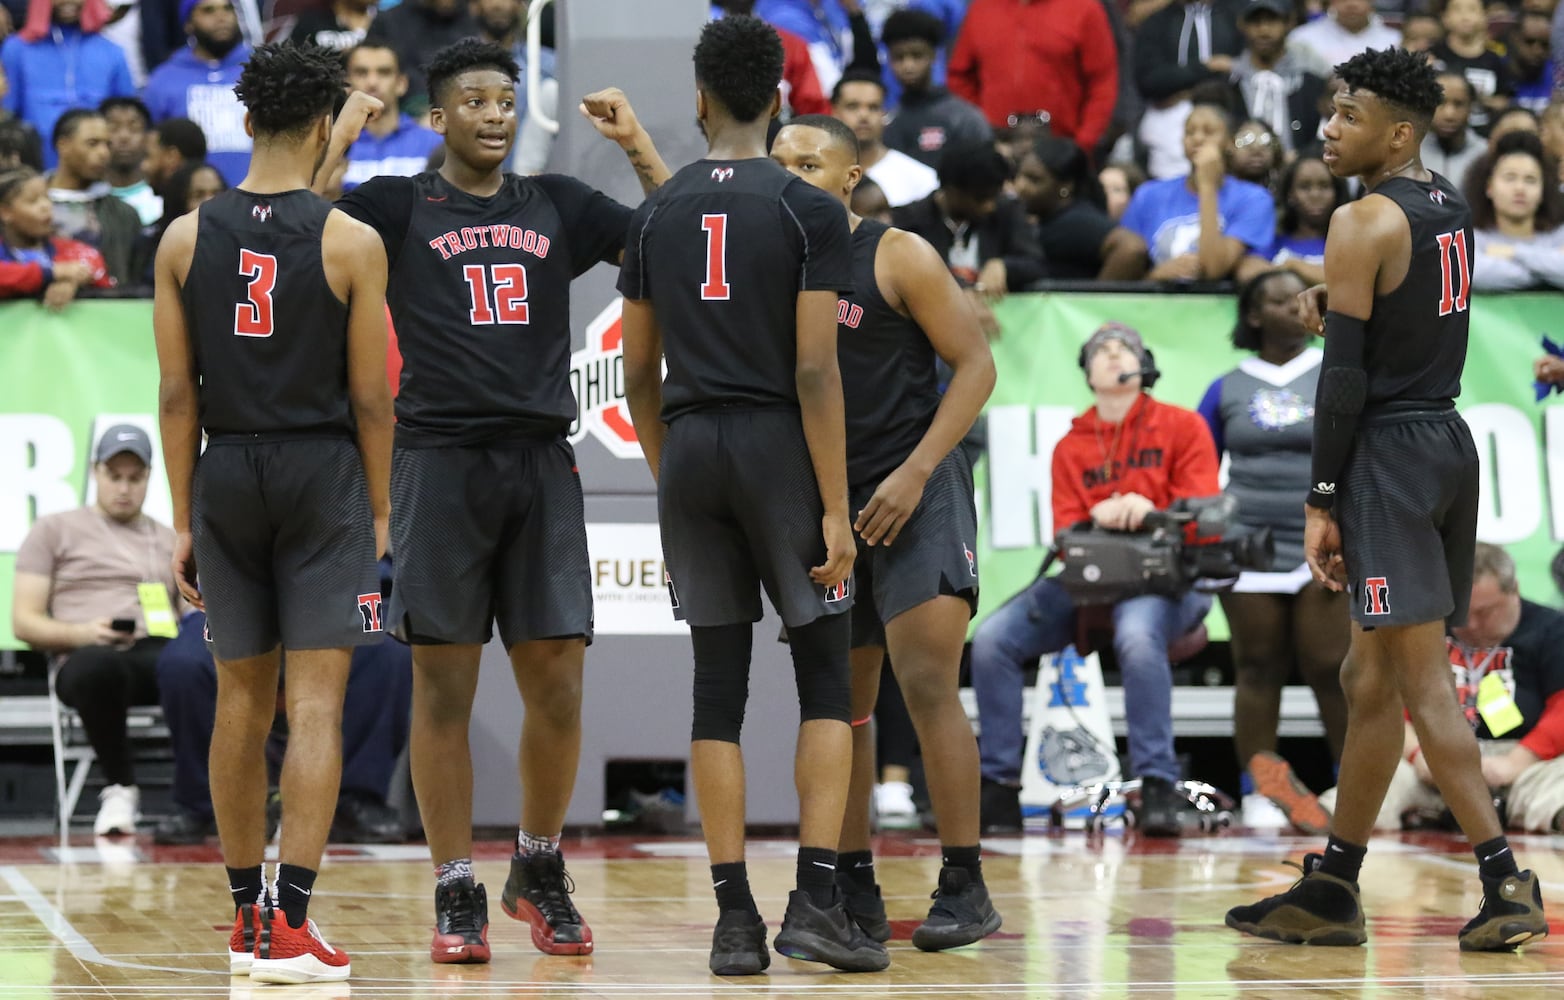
{"x": 487, "y": 514}
{"x": 271, "y": 338}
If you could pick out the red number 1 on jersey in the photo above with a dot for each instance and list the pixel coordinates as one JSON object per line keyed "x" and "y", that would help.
{"x": 253, "y": 318}
{"x": 716, "y": 286}
{"x": 1451, "y": 298}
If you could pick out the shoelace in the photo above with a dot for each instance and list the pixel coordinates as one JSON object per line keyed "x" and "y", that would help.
{"x": 554, "y": 886}
{"x": 945, "y": 897}
{"x": 461, "y": 910}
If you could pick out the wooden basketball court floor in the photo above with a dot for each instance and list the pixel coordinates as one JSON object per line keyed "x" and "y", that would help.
{"x": 1108, "y": 915}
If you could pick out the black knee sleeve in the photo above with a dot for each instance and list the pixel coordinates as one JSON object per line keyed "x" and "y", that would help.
{"x": 820, "y": 666}
{"x": 721, "y": 681}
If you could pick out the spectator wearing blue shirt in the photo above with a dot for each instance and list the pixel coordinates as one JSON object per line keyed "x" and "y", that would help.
{"x": 822, "y": 24}
{"x": 1186, "y": 243}
{"x": 57, "y": 62}
{"x": 197, "y": 83}
{"x": 1531, "y": 65}
{"x": 393, "y": 144}
{"x": 1310, "y": 193}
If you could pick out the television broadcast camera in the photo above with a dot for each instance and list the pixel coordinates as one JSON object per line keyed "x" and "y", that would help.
{"x": 1106, "y": 567}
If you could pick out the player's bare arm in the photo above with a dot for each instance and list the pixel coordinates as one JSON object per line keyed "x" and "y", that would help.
{"x": 643, "y": 361}
{"x": 360, "y": 110}
{"x": 610, "y": 113}
{"x": 179, "y": 419}
{"x": 1370, "y": 243}
{"x": 916, "y": 283}
{"x": 355, "y": 262}
{"x": 819, "y": 383}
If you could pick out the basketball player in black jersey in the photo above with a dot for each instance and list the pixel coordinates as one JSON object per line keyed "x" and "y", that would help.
{"x": 733, "y": 269}
{"x": 488, "y": 520}
{"x": 912, "y": 499}
{"x": 271, "y": 338}
{"x": 1393, "y": 511}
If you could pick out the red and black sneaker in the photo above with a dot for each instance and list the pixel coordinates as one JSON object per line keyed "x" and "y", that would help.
{"x": 538, "y": 891}
{"x": 461, "y": 924}
{"x": 241, "y": 943}
{"x": 292, "y": 955}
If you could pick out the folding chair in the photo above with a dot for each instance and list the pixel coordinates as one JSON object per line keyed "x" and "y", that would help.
{"x": 70, "y": 748}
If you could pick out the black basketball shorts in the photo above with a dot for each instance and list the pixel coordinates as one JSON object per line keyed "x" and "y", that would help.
{"x": 934, "y": 554}
{"x": 1407, "y": 510}
{"x": 740, "y": 511}
{"x": 285, "y": 546}
{"x": 485, "y": 534}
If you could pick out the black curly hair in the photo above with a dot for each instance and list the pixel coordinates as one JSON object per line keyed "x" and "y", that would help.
{"x": 287, "y": 88}
{"x": 464, "y": 57}
{"x": 912, "y": 26}
{"x": 974, "y": 168}
{"x": 738, "y": 63}
{"x": 1550, "y": 211}
{"x": 1405, "y": 81}
{"x": 1247, "y": 337}
{"x": 833, "y": 127}
{"x": 11, "y": 181}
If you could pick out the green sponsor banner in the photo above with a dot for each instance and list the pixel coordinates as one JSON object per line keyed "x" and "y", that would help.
{"x": 1041, "y": 388}
{"x": 65, "y": 377}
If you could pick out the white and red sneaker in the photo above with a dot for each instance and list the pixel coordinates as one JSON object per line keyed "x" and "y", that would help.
{"x": 291, "y": 955}
{"x": 241, "y": 943}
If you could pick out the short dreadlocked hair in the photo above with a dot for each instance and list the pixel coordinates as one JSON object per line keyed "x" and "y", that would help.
{"x": 1401, "y": 79}
{"x": 287, "y": 88}
{"x": 738, "y": 61}
{"x": 463, "y": 57}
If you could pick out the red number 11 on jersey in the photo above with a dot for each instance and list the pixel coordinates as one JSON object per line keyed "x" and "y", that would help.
{"x": 1453, "y": 267}
{"x": 716, "y": 284}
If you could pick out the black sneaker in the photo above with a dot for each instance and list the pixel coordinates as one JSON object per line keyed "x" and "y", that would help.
{"x": 183, "y": 829}
{"x": 1510, "y": 915}
{"x": 1000, "y": 807}
{"x": 864, "y": 905}
{"x": 1162, "y": 808}
{"x": 962, "y": 913}
{"x": 738, "y": 944}
{"x": 830, "y": 936}
{"x": 538, "y": 891}
{"x": 461, "y": 924}
{"x": 1319, "y": 909}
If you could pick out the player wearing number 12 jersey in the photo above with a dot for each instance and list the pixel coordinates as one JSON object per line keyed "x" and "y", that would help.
{"x": 1393, "y": 511}
{"x": 271, "y": 338}
{"x": 733, "y": 270}
{"x": 487, "y": 516}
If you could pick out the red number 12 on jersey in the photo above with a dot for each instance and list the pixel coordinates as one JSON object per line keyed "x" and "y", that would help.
{"x": 716, "y": 284}
{"x": 253, "y": 318}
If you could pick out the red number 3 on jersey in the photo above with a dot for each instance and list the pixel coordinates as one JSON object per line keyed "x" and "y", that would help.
{"x": 1456, "y": 282}
{"x": 254, "y": 317}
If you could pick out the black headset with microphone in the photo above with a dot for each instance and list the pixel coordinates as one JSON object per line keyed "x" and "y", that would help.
{"x": 1148, "y": 372}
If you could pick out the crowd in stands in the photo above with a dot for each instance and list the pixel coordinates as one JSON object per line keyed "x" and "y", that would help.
{"x": 1174, "y": 141}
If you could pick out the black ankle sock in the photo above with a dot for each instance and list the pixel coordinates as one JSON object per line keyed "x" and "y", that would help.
{"x": 817, "y": 874}
{"x": 968, "y": 859}
{"x": 294, "y": 887}
{"x": 246, "y": 884}
{"x": 858, "y": 868}
{"x": 1342, "y": 859}
{"x": 1495, "y": 860}
{"x": 731, "y": 883}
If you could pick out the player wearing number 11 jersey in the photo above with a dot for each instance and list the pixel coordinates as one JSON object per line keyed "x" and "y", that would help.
{"x": 1392, "y": 515}
{"x": 271, "y": 338}
{"x": 487, "y": 515}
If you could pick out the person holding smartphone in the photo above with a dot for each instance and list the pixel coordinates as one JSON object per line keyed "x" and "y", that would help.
{"x": 95, "y": 587}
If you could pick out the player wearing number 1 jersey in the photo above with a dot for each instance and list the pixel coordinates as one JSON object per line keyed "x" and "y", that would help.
{"x": 732, "y": 270}
{"x": 487, "y": 516}
{"x": 271, "y": 338}
{"x": 1393, "y": 511}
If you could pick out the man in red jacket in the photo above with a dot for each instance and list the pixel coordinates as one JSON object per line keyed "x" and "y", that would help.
{"x": 1019, "y": 57}
{"x": 1122, "y": 459}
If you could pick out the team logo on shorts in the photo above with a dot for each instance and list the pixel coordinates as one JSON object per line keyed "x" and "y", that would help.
{"x": 261, "y": 213}
{"x": 720, "y": 174}
{"x": 206, "y": 631}
{"x": 673, "y": 595}
{"x": 836, "y": 592}
{"x": 971, "y": 559}
{"x": 1376, "y": 594}
{"x": 369, "y": 611}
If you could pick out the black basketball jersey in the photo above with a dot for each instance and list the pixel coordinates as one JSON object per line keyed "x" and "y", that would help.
{"x": 889, "y": 380}
{"x": 269, "y": 334}
{"x": 479, "y": 291}
{"x": 1415, "y": 338}
{"x": 722, "y": 251}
